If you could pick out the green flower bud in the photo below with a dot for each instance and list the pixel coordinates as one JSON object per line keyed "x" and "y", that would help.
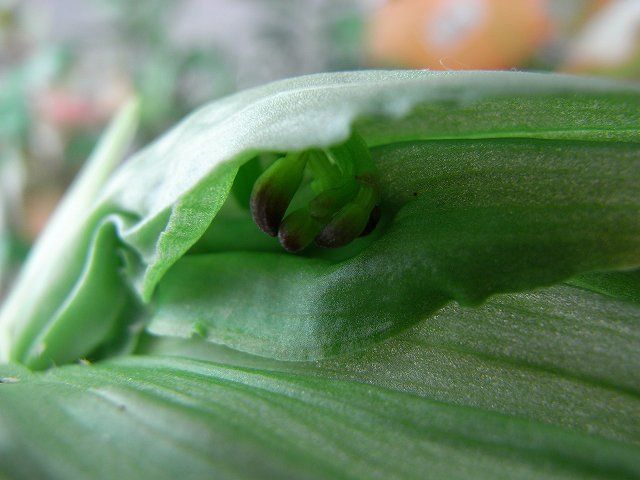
{"x": 325, "y": 204}
{"x": 353, "y": 157}
{"x": 274, "y": 189}
{"x": 344, "y": 179}
{"x": 344, "y": 227}
{"x": 298, "y": 230}
{"x": 374, "y": 218}
{"x": 350, "y": 222}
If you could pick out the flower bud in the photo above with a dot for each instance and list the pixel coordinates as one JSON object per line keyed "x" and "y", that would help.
{"x": 350, "y": 222}
{"x": 374, "y": 218}
{"x": 328, "y": 202}
{"x": 344, "y": 227}
{"x": 274, "y": 189}
{"x": 298, "y": 230}
{"x": 344, "y": 179}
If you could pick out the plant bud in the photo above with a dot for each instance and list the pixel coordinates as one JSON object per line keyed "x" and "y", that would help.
{"x": 274, "y": 189}
{"x": 298, "y": 230}
{"x": 350, "y": 221}
{"x": 374, "y": 218}
{"x": 326, "y": 203}
{"x": 344, "y": 227}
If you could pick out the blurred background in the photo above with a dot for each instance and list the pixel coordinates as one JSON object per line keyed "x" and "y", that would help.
{"x": 67, "y": 65}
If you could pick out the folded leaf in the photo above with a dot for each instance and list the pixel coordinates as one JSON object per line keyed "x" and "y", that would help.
{"x": 473, "y": 218}
{"x": 490, "y": 182}
{"x": 562, "y": 355}
{"x": 486, "y": 182}
{"x": 73, "y": 260}
{"x": 560, "y": 366}
{"x": 623, "y": 285}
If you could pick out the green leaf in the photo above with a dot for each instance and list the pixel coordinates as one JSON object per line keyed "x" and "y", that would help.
{"x": 623, "y": 285}
{"x": 483, "y": 217}
{"x": 491, "y": 182}
{"x": 535, "y": 385}
{"x": 72, "y": 260}
{"x": 423, "y": 362}
{"x": 562, "y": 355}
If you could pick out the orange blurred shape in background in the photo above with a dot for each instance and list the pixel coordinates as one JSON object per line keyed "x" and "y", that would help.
{"x": 458, "y": 34}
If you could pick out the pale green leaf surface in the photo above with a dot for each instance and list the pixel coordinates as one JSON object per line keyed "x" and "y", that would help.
{"x": 562, "y": 355}
{"x": 537, "y": 385}
{"x": 492, "y": 183}
{"x": 73, "y": 258}
{"x": 485, "y": 216}
{"x": 440, "y": 245}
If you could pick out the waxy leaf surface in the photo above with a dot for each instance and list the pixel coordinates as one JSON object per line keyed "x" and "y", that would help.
{"x": 491, "y": 182}
{"x": 489, "y": 327}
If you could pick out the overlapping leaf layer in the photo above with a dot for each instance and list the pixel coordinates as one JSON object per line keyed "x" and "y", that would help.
{"x": 489, "y": 183}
